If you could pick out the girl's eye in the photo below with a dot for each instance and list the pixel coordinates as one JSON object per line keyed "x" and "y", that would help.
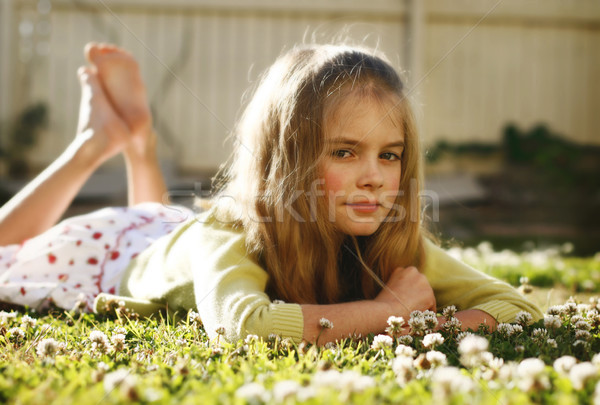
{"x": 341, "y": 153}
{"x": 390, "y": 156}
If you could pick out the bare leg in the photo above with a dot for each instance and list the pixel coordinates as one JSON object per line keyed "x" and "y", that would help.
{"x": 121, "y": 79}
{"x": 101, "y": 134}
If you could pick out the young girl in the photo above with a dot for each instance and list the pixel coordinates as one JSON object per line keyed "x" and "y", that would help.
{"x": 317, "y": 216}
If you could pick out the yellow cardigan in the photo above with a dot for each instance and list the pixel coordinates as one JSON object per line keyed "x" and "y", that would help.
{"x": 204, "y": 265}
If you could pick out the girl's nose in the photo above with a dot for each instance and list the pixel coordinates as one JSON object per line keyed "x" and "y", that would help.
{"x": 371, "y": 175}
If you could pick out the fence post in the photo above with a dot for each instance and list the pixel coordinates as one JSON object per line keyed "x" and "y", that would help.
{"x": 415, "y": 52}
{"x": 7, "y": 62}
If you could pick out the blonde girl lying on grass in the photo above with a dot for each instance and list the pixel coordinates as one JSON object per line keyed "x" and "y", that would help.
{"x": 317, "y": 216}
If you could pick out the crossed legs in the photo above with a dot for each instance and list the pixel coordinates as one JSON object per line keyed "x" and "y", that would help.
{"x": 114, "y": 117}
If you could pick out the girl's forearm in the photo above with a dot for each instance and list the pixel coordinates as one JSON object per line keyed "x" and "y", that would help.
{"x": 348, "y": 319}
{"x": 364, "y": 317}
{"x": 42, "y": 202}
{"x": 472, "y": 318}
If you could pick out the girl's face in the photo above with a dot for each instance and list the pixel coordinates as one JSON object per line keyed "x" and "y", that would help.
{"x": 362, "y": 166}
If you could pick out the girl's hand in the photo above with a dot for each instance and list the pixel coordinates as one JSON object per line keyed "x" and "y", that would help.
{"x": 407, "y": 290}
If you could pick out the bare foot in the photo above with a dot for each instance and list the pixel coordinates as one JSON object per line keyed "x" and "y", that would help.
{"x": 120, "y": 76}
{"x": 101, "y": 133}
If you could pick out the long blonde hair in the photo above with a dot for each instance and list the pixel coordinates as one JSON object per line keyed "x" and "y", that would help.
{"x": 272, "y": 182}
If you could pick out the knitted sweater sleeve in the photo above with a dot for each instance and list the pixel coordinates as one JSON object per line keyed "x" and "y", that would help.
{"x": 229, "y": 286}
{"x": 204, "y": 265}
{"x": 455, "y": 283}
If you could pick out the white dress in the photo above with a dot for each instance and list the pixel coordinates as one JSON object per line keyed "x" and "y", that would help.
{"x": 82, "y": 256}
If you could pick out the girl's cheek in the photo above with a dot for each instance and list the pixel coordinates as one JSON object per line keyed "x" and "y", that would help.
{"x": 334, "y": 180}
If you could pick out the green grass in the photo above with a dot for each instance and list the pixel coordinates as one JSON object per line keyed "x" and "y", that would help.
{"x": 167, "y": 361}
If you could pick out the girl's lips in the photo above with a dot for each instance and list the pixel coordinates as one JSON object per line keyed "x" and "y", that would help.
{"x": 363, "y": 207}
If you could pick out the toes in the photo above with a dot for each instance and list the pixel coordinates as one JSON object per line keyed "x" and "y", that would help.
{"x": 93, "y": 51}
{"x": 87, "y": 76}
{"x": 90, "y": 51}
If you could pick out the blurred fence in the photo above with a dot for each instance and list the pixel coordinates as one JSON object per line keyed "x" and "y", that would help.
{"x": 474, "y": 65}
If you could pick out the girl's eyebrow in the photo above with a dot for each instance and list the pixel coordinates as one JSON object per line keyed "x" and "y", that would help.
{"x": 348, "y": 141}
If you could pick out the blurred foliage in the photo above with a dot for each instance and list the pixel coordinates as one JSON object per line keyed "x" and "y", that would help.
{"x": 22, "y": 136}
{"x": 554, "y": 157}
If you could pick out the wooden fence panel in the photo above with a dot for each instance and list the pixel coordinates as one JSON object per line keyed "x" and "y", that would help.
{"x": 523, "y": 64}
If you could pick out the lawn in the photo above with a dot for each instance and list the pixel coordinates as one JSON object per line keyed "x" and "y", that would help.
{"x": 67, "y": 357}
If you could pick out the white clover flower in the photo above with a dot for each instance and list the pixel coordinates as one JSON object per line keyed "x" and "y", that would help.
{"x": 471, "y": 349}
{"x": 486, "y": 358}
{"x": 417, "y": 324}
{"x": 326, "y": 323}
{"x": 539, "y": 335}
{"x": 593, "y": 317}
{"x": 328, "y": 378}
{"x": 556, "y": 310}
{"x": 473, "y": 344}
{"x": 505, "y": 329}
{"x": 220, "y": 330}
{"x": 596, "y": 396}
{"x": 584, "y": 345}
{"x": 452, "y": 325}
{"x": 404, "y": 369}
{"x": 118, "y": 341}
{"x": 517, "y": 329}
{"x": 436, "y": 359}
{"x": 395, "y": 325}
{"x": 432, "y": 340}
{"x": 570, "y": 308}
{"x": 285, "y": 389}
{"x": 576, "y": 319}
{"x": 99, "y": 341}
{"x": 463, "y": 335}
{"x": 47, "y": 348}
{"x": 194, "y": 317}
{"x": 349, "y": 380}
{"x": 552, "y": 322}
{"x": 552, "y": 343}
{"x": 431, "y": 321}
{"x": 381, "y": 342}
{"x": 582, "y": 325}
{"x": 583, "y": 335}
{"x": 448, "y": 381}
{"x": 405, "y": 340}
{"x": 403, "y": 350}
{"x": 449, "y": 311}
{"x": 250, "y": 339}
{"x": 28, "y": 322}
{"x": 524, "y": 318}
{"x": 519, "y": 348}
{"x": 16, "y": 334}
{"x": 532, "y": 375}
{"x": 121, "y": 378}
{"x": 305, "y": 393}
{"x": 46, "y": 328}
{"x": 507, "y": 372}
{"x": 581, "y": 373}
{"x": 492, "y": 367}
{"x": 356, "y": 381}
{"x": 563, "y": 364}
